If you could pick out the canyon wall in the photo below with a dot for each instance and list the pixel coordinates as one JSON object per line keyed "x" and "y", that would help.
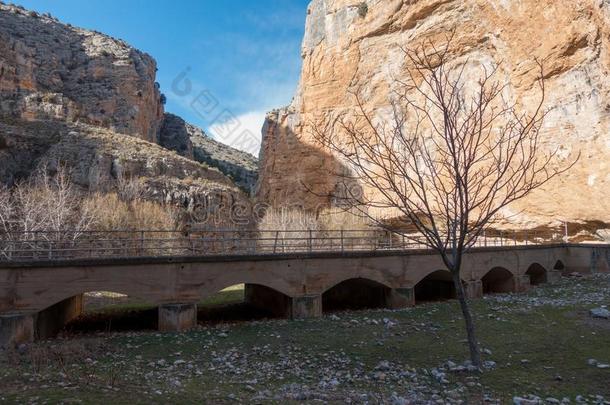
{"x": 82, "y": 99}
{"x": 352, "y": 45}
{"x": 192, "y": 142}
{"x": 52, "y": 70}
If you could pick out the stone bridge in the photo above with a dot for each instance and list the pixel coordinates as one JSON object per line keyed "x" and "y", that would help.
{"x": 37, "y": 299}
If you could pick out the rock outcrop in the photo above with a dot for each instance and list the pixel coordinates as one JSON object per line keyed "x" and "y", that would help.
{"x": 90, "y": 102}
{"x": 49, "y": 70}
{"x": 98, "y": 158}
{"x": 193, "y": 143}
{"x": 349, "y": 46}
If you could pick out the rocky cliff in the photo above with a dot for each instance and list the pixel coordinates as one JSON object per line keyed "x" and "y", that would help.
{"x": 193, "y": 143}
{"x": 49, "y": 70}
{"x": 83, "y": 99}
{"x": 350, "y": 44}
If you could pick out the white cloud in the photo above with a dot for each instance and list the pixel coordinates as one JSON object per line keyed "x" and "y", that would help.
{"x": 242, "y": 132}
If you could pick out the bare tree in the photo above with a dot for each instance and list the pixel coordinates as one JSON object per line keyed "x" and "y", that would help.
{"x": 43, "y": 209}
{"x": 454, "y": 153}
{"x": 7, "y": 213}
{"x": 63, "y": 210}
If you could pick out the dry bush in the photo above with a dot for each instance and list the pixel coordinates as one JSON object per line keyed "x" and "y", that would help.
{"x": 331, "y": 229}
{"x": 48, "y": 203}
{"x": 126, "y": 221}
{"x": 42, "y": 357}
{"x": 7, "y": 209}
{"x": 49, "y": 216}
{"x": 130, "y": 189}
{"x": 284, "y": 229}
{"x": 337, "y": 219}
{"x": 112, "y": 213}
{"x": 348, "y": 229}
{"x": 288, "y": 220}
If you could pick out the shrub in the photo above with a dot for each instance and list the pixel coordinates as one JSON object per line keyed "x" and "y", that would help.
{"x": 130, "y": 189}
{"x": 112, "y": 213}
{"x": 288, "y": 220}
{"x": 337, "y": 219}
{"x": 284, "y": 229}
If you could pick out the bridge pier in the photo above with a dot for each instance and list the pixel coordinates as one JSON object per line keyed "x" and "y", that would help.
{"x": 23, "y": 328}
{"x": 280, "y": 305}
{"x": 177, "y": 317}
{"x": 473, "y": 289}
{"x": 268, "y": 300}
{"x": 16, "y": 329}
{"x": 398, "y": 298}
{"x": 522, "y": 283}
{"x": 52, "y": 320}
{"x": 553, "y": 276}
{"x": 309, "y": 306}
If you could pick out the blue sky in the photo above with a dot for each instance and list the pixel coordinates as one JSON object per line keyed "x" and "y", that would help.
{"x": 242, "y": 56}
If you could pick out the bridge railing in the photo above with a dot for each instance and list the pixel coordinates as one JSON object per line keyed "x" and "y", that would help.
{"x": 65, "y": 245}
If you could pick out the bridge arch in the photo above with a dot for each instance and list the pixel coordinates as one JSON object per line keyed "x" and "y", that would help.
{"x": 263, "y": 297}
{"x": 356, "y": 293}
{"x": 61, "y": 295}
{"x": 216, "y": 285}
{"x": 54, "y": 314}
{"x": 537, "y": 274}
{"x": 498, "y": 280}
{"x": 436, "y": 286}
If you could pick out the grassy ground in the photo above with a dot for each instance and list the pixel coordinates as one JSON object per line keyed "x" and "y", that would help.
{"x": 112, "y": 303}
{"x": 541, "y": 343}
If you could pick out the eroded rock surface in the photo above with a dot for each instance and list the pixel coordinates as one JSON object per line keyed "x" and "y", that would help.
{"x": 346, "y": 48}
{"x": 81, "y": 99}
{"x": 49, "y": 70}
{"x": 193, "y": 143}
{"x": 98, "y": 158}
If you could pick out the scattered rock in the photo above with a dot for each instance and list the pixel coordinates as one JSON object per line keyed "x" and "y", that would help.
{"x": 525, "y": 401}
{"x": 489, "y": 365}
{"x": 603, "y": 366}
{"x": 601, "y": 313}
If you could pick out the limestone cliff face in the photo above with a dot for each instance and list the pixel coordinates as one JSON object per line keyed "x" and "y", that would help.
{"x": 347, "y": 45}
{"x": 193, "y": 143}
{"x": 98, "y": 157}
{"x": 52, "y": 70}
{"x": 81, "y": 99}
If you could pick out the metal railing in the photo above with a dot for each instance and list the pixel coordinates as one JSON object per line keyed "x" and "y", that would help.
{"x": 66, "y": 245}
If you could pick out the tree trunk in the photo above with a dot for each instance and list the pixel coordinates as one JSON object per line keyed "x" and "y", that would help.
{"x": 475, "y": 353}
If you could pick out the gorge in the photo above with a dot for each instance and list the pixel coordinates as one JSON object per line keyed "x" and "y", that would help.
{"x": 80, "y": 98}
{"x": 351, "y": 45}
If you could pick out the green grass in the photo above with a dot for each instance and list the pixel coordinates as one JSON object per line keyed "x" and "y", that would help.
{"x": 231, "y": 295}
{"x": 556, "y": 341}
